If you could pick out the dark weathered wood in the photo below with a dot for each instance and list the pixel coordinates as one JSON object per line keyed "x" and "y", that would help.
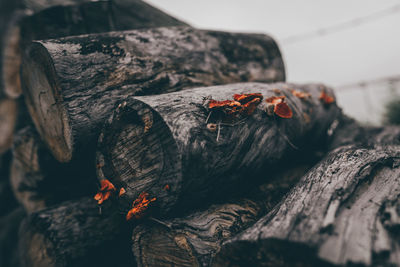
{"x": 154, "y": 141}
{"x": 82, "y": 233}
{"x": 38, "y": 180}
{"x": 344, "y": 211}
{"x": 39, "y": 20}
{"x": 9, "y": 225}
{"x": 194, "y": 239}
{"x": 347, "y": 131}
{"x": 73, "y": 83}
{"x": 75, "y": 233}
{"x": 8, "y": 119}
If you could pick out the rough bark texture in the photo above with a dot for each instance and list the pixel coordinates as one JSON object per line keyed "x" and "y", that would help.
{"x": 38, "y": 180}
{"x": 75, "y": 233}
{"x": 193, "y": 240}
{"x": 344, "y": 211}
{"x": 75, "y": 82}
{"x": 40, "y": 20}
{"x": 9, "y": 225}
{"x": 8, "y": 120}
{"x": 154, "y": 141}
{"x": 79, "y": 233}
{"x": 347, "y": 131}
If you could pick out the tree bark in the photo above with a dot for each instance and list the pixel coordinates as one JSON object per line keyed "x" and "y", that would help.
{"x": 193, "y": 240}
{"x": 83, "y": 234}
{"x": 74, "y": 82}
{"x": 40, "y": 20}
{"x": 9, "y": 225}
{"x": 154, "y": 141}
{"x": 75, "y": 233}
{"x": 8, "y": 120}
{"x": 344, "y": 211}
{"x": 347, "y": 131}
{"x": 38, "y": 180}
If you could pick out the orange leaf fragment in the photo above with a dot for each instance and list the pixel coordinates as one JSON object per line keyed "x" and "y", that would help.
{"x": 283, "y": 110}
{"x": 167, "y": 187}
{"x": 121, "y": 191}
{"x": 275, "y": 99}
{"x": 105, "y": 191}
{"x": 221, "y": 104}
{"x": 245, "y": 98}
{"x": 300, "y": 94}
{"x": 327, "y": 99}
{"x": 139, "y": 206}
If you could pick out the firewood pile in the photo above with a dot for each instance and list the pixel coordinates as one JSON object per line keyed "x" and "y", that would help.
{"x": 130, "y": 138}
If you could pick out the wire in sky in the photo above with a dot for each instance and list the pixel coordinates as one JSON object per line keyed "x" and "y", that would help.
{"x": 341, "y": 26}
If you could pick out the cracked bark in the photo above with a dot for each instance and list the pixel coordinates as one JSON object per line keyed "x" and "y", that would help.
{"x": 344, "y": 211}
{"x": 154, "y": 141}
{"x": 40, "y": 20}
{"x": 75, "y": 82}
{"x": 194, "y": 239}
{"x": 75, "y": 224}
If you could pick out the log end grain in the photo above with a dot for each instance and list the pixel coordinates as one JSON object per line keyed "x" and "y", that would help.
{"x": 8, "y": 119}
{"x": 11, "y": 57}
{"x": 137, "y": 151}
{"x": 45, "y": 103}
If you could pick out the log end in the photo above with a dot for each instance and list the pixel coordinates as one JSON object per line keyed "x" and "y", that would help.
{"x": 136, "y": 151}
{"x": 162, "y": 247}
{"x": 34, "y": 247}
{"x": 8, "y": 119}
{"x": 11, "y": 58}
{"x": 44, "y": 101}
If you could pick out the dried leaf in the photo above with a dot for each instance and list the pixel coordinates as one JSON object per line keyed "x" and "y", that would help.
{"x": 245, "y": 98}
{"x": 105, "y": 191}
{"x": 249, "y": 107}
{"x": 275, "y": 99}
{"x": 327, "y": 99}
{"x": 121, "y": 191}
{"x": 139, "y": 206}
{"x": 301, "y": 95}
{"x": 283, "y": 110}
{"x": 214, "y": 104}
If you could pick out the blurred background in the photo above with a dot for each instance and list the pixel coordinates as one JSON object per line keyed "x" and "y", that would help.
{"x": 353, "y": 46}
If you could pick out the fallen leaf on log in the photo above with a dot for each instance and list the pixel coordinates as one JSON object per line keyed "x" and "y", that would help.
{"x": 280, "y": 108}
{"x": 327, "y": 99}
{"x": 105, "y": 191}
{"x": 140, "y": 205}
{"x": 299, "y": 94}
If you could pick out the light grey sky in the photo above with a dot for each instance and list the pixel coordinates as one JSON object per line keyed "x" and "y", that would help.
{"x": 364, "y": 52}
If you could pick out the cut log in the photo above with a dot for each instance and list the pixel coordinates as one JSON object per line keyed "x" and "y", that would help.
{"x": 38, "y": 180}
{"x": 193, "y": 240}
{"x": 7, "y": 199}
{"x": 8, "y": 119}
{"x": 152, "y": 142}
{"x": 39, "y": 20}
{"x": 345, "y": 211}
{"x": 9, "y": 225}
{"x": 347, "y": 131}
{"x": 82, "y": 233}
{"x": 72, "y": 84}
{"x": 75, "y": 234}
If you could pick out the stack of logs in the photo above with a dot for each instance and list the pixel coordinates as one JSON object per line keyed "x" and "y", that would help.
{"x": 128, "y": 137}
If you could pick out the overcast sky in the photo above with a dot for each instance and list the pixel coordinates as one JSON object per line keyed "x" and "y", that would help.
{"x": 364, "y": 52}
